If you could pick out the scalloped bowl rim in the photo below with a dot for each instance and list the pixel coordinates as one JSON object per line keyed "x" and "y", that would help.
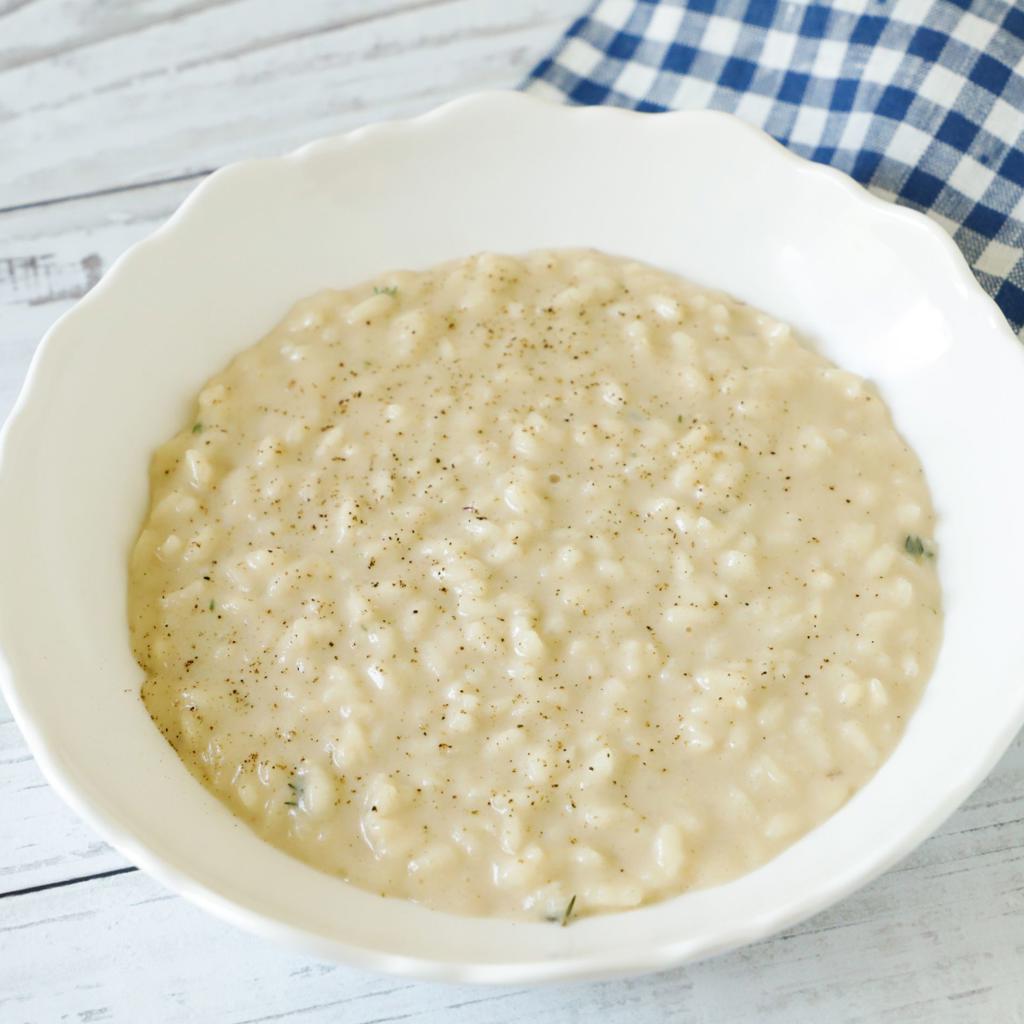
{"x": 98, "y": 813}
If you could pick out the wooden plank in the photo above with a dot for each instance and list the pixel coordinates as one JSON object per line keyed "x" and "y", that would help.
{"x": 941, "y": 938}
{"x": 41, "y": 840}
{"x": 173, "y": 88}
{"x": 32, "y": 31}
{"x": 51, "y": 255}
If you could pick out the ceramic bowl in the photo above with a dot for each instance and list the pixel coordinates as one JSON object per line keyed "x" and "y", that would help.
{"x": 882, "y": 291}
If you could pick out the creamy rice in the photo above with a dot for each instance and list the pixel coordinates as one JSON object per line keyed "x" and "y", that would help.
{"x": 520, "y": 580}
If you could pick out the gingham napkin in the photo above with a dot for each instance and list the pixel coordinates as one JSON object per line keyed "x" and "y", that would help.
{"x": 922, "y": 101}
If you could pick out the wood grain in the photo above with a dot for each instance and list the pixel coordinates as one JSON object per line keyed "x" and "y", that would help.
{"x": 41, "y": 840}
{"x": 51, "y": 255}
{"x": 144, "y": 92}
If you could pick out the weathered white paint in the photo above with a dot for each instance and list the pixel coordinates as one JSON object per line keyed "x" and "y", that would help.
{"x": 140, "y": 92}
{"x": 41, "y": 841}
{"x": 95, "y": 96}
{"x": 50, "y": 255}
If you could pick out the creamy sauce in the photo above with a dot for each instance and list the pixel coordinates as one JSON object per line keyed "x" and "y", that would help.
{"x": 520, "y": 580}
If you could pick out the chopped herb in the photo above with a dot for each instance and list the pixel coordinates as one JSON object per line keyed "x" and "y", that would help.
{"x": 914, "y": 547}
{"x": 291, "y": 803}
{"x": 392, "y": 291}
{"x": 197, "y": 428}
{"x": 568, "y": 910}
{"x": 679, "y": 418}
{"x": 213, "y": 604}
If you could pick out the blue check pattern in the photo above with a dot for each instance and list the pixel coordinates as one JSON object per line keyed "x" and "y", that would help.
{"x": 922, "y": 101}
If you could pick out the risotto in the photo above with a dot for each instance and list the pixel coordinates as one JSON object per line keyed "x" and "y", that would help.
{"x": 534, "y": 586}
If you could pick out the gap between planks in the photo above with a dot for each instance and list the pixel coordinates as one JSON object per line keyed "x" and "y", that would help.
{"x": 63, "y": 883}
{"x": 113, "y": 190}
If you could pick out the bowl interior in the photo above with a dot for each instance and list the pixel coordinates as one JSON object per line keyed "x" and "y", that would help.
{"x": 880, "y": 291}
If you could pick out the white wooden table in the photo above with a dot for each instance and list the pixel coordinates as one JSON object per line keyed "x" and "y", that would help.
{"x": 110, "y": 112}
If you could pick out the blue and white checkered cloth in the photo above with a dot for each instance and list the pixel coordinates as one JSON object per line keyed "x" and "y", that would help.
{"x": 922, "y": 101}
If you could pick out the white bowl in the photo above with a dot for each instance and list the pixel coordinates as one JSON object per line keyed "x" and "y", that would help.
{"x": 881, "y": 290}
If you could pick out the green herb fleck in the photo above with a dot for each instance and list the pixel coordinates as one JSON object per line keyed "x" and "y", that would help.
{"x": 197, "y": 428}
{"x": 568, "y": 910}
{"x": 291, "y": 803}
{"x": 392, "y": 290}
{"x": 914, "y": 547}
{"x": 213, "y": 604}
{"x": 679, "y": 418}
